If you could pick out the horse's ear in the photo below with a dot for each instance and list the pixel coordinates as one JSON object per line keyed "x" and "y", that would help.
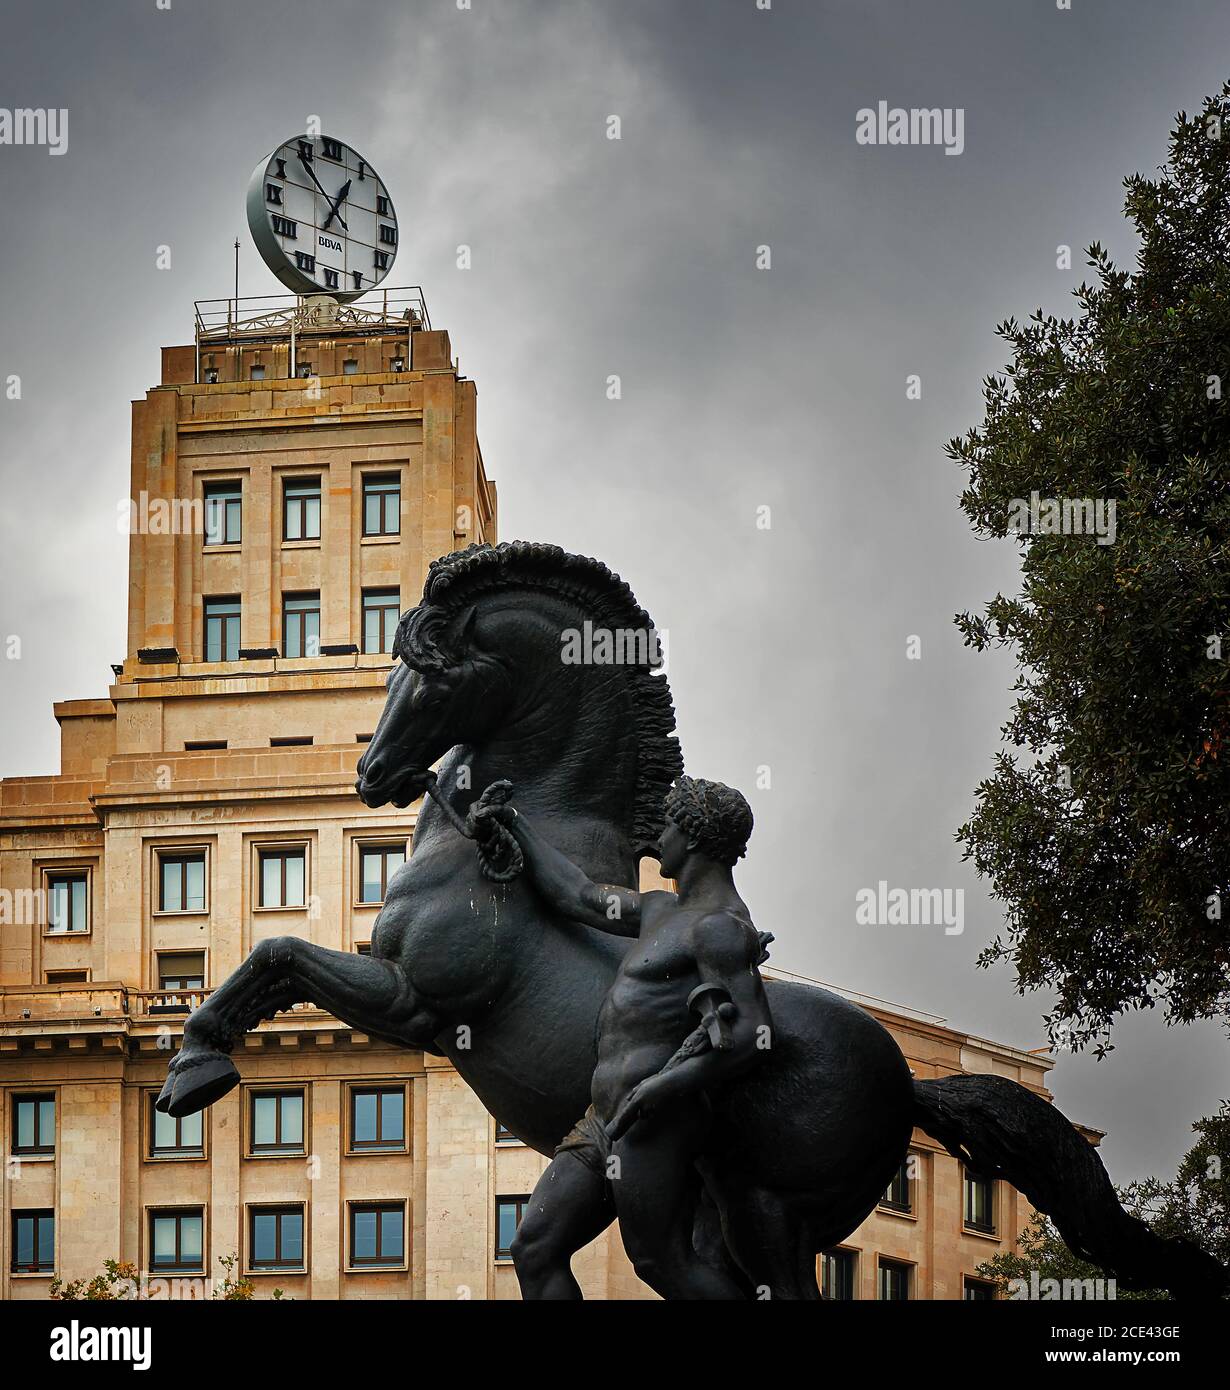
{"x": 460, "y": 642}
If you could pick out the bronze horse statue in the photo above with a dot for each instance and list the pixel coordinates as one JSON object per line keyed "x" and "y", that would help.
{"x": 482, "y": 971}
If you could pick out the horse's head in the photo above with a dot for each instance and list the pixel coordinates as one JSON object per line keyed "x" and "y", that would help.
{"x": 492, "y": 660}
{"x": 444, "y": 691}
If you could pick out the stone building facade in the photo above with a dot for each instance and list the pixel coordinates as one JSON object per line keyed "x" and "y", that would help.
{"x": 293, "y": 474}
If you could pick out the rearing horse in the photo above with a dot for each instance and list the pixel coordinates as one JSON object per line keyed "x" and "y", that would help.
{"x": 485, "y": 973}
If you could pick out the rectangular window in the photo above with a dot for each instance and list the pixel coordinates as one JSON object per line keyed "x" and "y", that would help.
{"x": 181, "y": 970}
{"x": 377, "y": 1234}
{"x": 283, "y": 877}
{"x": 979, "y": 1203}
{"x": 177, "y": 1240}
{"x": 508, "y": 1214}
{"x": 978, "y": 1290}
{"x": 275, "y": 1238}
{"x": 67, "y": 977}
{"x": 894, "y": 1281}
{"x": 257, "y": 371}
{"x": 381, "y": 506}
{"x": 504, "y": 1135}
{"x": 350, "y": 366}
{"x": 67, "y": 903}
{"x": 181, "y": 882}
{"x": 34, "y": 1124}
{"x": 222, "y": 629}
{"x": 277, "y": 1122}
{"x": 897, "y": 1198}
{"x": 170, "y": 1138}
{"x": 301, "y": 625}
{"x": 380, "y": 613}
{"x": 301, "y": 508}
{"x": 34, "y": 1242}
{"x": 378, "y": 1118}
{"x": 837, "y": 1274}
{"x": 204, "y": 745}
{"x": 223, "y": 512}
{"x": 377, "y": 865}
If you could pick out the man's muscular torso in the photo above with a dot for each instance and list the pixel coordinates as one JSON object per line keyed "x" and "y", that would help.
{"x": 645, "y": 1016}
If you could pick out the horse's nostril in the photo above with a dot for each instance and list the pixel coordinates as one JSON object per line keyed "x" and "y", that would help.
{"x": 372, "y": 770}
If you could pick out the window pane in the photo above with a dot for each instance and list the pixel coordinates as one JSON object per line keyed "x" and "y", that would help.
{"x": 507, "y": 1225}
{"x": 25, "y": 1124}
{"x": 264, "y": 1237}
{"x": 292, "y": 1236}
{"x": 364, "y": 1235}
{"x": 164, "y": 1239}
{"x": 371, "y": 891}
{"x": 213, "y": 521}
{"x": 371, "y": 514}
{"x": 311, "y": 525}
{"x": 392, "y": 506}
{"x": 390, "y": 1235}
{"x": 190, "y": 1242}
{"x": 46, "y": 1240}
{"x": 311, "y": 634}
{"x": 393, "y": 860}
{"x": 57, "y": 906}
{"x": 391, "y": 1111}
{"x": 46, "y": 1123}
{"x": 294, "y": 880}
{"x": 25, "y": 1240}
{"x": 191, "y": 1130}
{"x": 292, "y": 1120}
{"x": 231, "y": 645}
{"x": 264, "y": 1120}
{"x": 172, "y": 897}
{"x": 78, "y": 914}
{"x": 164, "y": 1130}
{"x": 194, "y": 897}
{"x": 271, "y": 881}
{"x": 365, "y": 1118}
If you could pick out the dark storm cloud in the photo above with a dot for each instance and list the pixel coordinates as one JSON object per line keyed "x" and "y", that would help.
{"x": 741, "y": 388}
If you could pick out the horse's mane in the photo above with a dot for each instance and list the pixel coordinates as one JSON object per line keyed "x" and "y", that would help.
{"x": 457, "y": 580}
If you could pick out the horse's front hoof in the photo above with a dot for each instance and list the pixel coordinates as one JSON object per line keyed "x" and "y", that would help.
{"x": 197, "y": 1081}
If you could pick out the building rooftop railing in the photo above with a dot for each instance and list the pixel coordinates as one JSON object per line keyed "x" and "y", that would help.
{"x": 399, "y": 310}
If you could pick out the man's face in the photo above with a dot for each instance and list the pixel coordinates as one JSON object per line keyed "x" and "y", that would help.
{"x": 672, "y": 849}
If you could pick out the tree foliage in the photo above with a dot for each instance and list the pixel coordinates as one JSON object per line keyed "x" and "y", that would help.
{"x": 1104, "y": 829}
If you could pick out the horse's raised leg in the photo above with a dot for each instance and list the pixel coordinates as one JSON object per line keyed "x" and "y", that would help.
{"x": 363, "y": 991}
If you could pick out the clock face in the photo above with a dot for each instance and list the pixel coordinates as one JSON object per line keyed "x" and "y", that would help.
{"x": 322, "y": 218}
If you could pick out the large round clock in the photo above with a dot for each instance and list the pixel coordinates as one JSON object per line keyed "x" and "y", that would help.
{"x": 322, "y": 218}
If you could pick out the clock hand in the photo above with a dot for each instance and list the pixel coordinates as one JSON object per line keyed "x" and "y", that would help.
{"x": 312, "y": 175}
{"x": 333, "y": 211}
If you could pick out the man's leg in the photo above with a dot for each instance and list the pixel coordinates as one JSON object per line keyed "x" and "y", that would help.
{"x": 654, "y": 1185}
{"x": 570, "y": 1206}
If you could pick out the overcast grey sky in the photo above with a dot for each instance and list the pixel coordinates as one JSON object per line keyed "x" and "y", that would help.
{"x": 742, "y": 387}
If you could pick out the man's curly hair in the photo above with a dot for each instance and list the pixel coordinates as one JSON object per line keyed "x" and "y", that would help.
{"x": 716, "y": 818}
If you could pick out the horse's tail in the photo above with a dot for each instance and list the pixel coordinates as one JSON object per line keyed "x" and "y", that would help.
{"x": 1003, "y": 1130}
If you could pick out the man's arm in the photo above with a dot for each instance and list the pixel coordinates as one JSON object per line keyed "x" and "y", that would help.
{"x": 569, "y": 890}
